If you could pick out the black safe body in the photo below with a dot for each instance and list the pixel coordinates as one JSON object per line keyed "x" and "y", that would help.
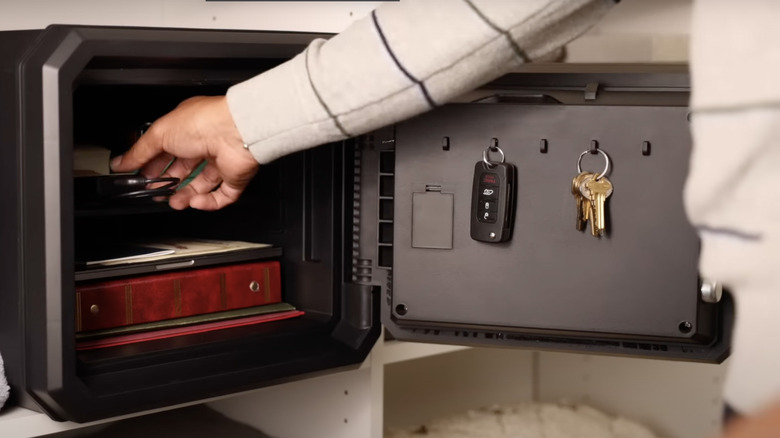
{"x": 68, "y": 85}
{"x": 351, "y": 221}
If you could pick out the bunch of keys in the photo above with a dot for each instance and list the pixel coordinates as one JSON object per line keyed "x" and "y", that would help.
{"x": 591, "y": 191}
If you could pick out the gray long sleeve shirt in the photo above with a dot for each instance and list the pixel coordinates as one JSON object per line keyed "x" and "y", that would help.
{"x": 403, "y": 59}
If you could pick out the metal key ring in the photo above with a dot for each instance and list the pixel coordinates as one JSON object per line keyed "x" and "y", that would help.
{"x": 606, "y": 163}
{"x": 167, "y": 188}
{"x": 486, "y": 158}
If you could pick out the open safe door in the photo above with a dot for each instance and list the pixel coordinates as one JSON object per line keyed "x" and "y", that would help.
{"x": 509, "y": 154}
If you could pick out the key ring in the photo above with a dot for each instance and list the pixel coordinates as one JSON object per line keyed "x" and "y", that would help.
{"x": 606, "y": 163}
{"x": 167, "y": 188}
{"x": 486, "y": 158}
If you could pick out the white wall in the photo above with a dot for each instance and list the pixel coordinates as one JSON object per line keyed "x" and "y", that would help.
{"x": 675, "y": 399}
{"x": 638, "y": 31}
{"x": 419, "y": 390}
{"x": 320, "y": 16}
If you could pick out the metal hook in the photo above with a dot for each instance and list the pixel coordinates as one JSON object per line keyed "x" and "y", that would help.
{"x": 492, "y": 148}
{"x": 594, "y": 147}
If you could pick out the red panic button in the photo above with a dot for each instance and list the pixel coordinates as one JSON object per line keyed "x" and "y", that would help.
{"x": 490, "y": 179}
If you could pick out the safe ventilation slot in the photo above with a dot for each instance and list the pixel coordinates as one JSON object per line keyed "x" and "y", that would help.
{"x": 386, "y": 206}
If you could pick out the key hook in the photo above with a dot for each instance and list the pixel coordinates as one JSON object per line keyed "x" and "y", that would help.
{"x": 606, "y": 163}
{"x": 486, "y": 155}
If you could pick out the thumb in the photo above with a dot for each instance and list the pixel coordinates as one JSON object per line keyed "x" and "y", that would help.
{"x": 146, "y": 148}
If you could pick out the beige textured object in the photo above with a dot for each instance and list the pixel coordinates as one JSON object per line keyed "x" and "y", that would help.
{"x": 528, "y": 420}
{"x": 5, "y": 390}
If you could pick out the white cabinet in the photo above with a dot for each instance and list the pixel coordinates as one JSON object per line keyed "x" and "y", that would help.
{"x": 406, "y": 384}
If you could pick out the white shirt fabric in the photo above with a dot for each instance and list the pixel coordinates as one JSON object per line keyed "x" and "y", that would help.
{"x": 735, "y": 169}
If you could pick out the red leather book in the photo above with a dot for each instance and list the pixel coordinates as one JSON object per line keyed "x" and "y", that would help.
{"x": 158, "y": 297}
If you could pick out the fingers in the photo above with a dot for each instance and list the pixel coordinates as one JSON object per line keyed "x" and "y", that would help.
{"x": 200, "y": 193}
{"x": 204, "y": 182}
{"x": 143, "y": 151}
{"x": 155, "y": 168}
{"x": 182, "y": 168}
{"x": 223, "y": 196}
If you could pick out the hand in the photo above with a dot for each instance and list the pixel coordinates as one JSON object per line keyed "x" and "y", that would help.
{"x": 765, "y": 424}
{"x": 200, "y": 128}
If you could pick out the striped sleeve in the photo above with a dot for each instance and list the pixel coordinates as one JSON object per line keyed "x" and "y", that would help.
{"x": 403, "y": 59}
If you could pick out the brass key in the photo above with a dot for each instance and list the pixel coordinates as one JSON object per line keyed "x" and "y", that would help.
{"x": 587, "y": 203}
{"x": 583, "y": 204}
{"x": 600, "y": 189}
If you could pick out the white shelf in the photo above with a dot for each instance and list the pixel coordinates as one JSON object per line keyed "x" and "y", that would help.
{"x": 399, "y": 351}
{"x": 681, "y": 399}
{"x": 16, "y": 422}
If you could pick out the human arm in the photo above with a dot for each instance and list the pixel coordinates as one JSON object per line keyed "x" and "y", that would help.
{"x": 403, "y": 59}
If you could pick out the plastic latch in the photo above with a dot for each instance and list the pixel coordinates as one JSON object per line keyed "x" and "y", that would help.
{"x": 591, "y": 90}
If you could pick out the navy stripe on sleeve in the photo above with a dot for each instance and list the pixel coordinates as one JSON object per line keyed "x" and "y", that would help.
{"x": 322, "y": 102}
{"x": 515, "y": 47}
{"x": 400, "y": 66}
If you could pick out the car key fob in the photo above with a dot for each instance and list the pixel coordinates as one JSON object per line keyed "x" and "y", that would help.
{"x": 492, "y": 202}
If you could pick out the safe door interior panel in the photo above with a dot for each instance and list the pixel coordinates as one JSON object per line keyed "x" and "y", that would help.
{"x": 550, "y": 282}
{"x": 640, "y": 278}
